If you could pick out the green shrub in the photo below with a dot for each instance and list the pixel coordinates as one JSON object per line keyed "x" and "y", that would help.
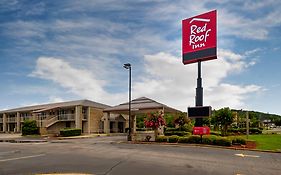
{"x": 70, "y": 132}
{"x": 194, "y": 139}
{"x": 185, "y": 127}
{"x": 161, "y": 139}
{"x": 238, "y": 140}
{"x": 183, "y": 140}
{"x": 216, "y": 133}
{"x": 255, "y": 131}
{"x": 172, "y": 129}
{"x": 222, "y": 141}
{"x": 29, "y": 127}
{"x": 208, "y": 139}
{"x": 173, "y": 139}
{"x": 178, "y": 133}
{"x": 243, "y": 130}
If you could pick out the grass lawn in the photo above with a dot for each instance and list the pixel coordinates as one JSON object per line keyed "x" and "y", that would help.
{"x": 267, "y": 141}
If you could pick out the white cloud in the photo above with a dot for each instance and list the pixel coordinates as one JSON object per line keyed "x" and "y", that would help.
{"x": 227, "y": 95}
{"x": 232, "y": 20}
{"x": 81, "y": 82}
{"x": 168, "y": 80}
{"x": 55, "y": 99}
{"x": 165, "y": 79}
{"x": 24, "y": 29}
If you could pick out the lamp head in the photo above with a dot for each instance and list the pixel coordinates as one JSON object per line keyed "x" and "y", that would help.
{"x": 127, "y": 66}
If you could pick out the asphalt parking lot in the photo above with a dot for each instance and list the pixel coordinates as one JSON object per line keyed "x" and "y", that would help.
{"x": 110, "y": 155}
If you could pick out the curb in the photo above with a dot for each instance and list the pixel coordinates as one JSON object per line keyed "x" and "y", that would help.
{"x": 200, "y": 145}
{"x": 23, "y": 141}
{"x": 79, "y": 137}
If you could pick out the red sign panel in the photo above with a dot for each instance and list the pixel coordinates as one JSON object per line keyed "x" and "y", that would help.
{"x": 205, "y": 130}
{"x": 199, "y": 38}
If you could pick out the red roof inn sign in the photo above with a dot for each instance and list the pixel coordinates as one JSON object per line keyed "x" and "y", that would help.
{"x": 199, "y": 38}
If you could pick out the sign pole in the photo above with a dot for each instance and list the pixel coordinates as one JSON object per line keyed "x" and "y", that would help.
{"x": 199, "y": 95}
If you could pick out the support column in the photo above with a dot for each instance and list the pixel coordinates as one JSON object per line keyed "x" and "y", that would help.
{"x": 89, "y": 118}
{"x": 106, "y": 123}
{"x": 162, "y": 127}
{"x": 18, "y": 122}
{"x": 78, "y": 117}
{"x": 4, "y": 123}
{"x": 199, "y": 95}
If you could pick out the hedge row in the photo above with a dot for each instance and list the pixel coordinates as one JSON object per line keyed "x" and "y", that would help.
{"x": 70, "y": 132}
{"x": 178, "y": 133}
{"x": 172, "y": 129}
{"x": 209, "y": 140}
{"x": 243, "y": 130}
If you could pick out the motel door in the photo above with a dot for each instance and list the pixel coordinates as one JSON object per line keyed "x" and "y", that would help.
{"x": 121, "y": 127}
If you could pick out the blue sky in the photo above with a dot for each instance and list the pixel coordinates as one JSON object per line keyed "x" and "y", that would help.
{"x": 54, "y": 51}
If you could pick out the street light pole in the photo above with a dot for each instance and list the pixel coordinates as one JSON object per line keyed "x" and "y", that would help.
{"x": 128, "y": 66}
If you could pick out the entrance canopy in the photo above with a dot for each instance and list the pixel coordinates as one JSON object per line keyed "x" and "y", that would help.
{"x": 141, "y": 105}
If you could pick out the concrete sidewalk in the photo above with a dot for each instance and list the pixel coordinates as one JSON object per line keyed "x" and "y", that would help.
{"x": 10, "y": 136}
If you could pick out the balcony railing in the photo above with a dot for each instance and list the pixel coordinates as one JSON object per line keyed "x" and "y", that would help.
{"x": 1, "y": 120}
{"x": 66, "y": 117}
{"x": 22, "y": 119}
{"x": 11, "y": 119}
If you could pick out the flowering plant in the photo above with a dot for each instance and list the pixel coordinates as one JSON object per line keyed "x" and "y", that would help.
{"x": 155, "y": 120}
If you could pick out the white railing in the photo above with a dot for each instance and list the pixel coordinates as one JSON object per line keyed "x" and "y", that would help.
{"x": 66, "y": 117}
{"x": 51, "y": 121}
{"x": 54, "y": 119}
{"x": 11, "y": 119}
{"x": 25, "y": 118}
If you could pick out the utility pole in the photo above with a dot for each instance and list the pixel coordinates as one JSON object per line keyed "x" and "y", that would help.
{"x": 247, "y": 124}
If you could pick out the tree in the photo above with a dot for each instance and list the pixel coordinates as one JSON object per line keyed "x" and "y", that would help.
{"x": 180, "y": 120}
{"x": 223, "y": 117}
{"x": 140, "y": 121}
{"x": 277, "y": 122}
{"x": 155, "y": 121}
{"x": 29, "y": 127}
{"x": 169, "y": 120}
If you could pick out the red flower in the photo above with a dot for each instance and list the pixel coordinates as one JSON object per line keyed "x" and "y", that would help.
{"x": 154, "y": 120}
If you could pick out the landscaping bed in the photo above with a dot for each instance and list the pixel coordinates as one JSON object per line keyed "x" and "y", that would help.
{"x": 206, "y": 139}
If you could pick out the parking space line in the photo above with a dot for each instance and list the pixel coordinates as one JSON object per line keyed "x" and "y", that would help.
{"x": 25, "y": 157}
{"x": 9, "y": 152}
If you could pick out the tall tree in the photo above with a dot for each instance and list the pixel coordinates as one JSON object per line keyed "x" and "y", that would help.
{"x": 223, "y": 117}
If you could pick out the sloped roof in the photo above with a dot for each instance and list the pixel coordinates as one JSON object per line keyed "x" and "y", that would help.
{"x": 57, "y": 105}
{"x": 139, "y": 104}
